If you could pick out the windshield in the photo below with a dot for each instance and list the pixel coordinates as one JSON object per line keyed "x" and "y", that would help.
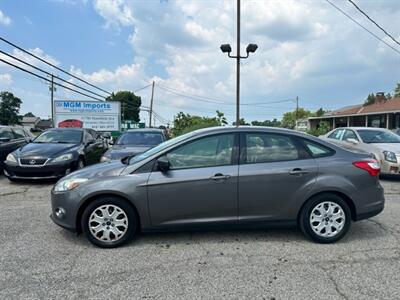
{"x": 160, "y": 147}
{"x": 60, "y": 136}
{"x": 140, "y": 139}
{"x": 375, "y": 136}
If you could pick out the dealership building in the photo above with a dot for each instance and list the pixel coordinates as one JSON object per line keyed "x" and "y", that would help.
{"x": 384, "y": 113}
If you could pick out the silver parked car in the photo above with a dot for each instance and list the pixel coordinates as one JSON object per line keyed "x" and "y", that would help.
{"x": 224, "y": 176}
{"x": 383, "y": 144}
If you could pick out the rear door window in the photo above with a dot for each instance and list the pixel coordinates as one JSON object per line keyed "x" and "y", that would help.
{"x": 6, "y": 133}
{"x": 349, "y": 134}
{"x": 19, "y": 133}
{"x": 317, "y": 150}
{"x": 269, "y": 147}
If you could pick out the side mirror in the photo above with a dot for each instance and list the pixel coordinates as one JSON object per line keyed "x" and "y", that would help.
{"x": 352, "y": 140}
{"x": 4, "y": 139}
{"x": 163, "y": 164}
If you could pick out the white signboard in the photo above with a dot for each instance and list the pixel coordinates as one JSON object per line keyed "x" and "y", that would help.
{"x": 101, "y": 116}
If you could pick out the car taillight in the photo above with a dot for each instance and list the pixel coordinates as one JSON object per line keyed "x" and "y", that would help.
{"x": 371, "y": 166}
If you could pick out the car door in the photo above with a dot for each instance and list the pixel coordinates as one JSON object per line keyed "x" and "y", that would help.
{"x": 201, "y": 185}
{"x": 351, "y": 139}
{"x": 20, "y": 136}
{"x": 274, "y": 171}
{"x": 9, "y": 143}
{"x": 91, "y": 149}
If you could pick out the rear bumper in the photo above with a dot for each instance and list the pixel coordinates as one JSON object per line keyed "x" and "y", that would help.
{"x": 370, "y": 202}
{"x": 369, "y": 214}
{"x": 51, "y": 171}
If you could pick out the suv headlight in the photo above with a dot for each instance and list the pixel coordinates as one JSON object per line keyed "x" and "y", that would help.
{"x": 69, "y": 184}
{"x": 11, "y": 158}
{"x": 63, "y": 157}
{"x": 390, "y": 156}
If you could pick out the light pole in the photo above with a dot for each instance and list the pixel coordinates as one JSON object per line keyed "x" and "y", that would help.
{"x": 226, "y": 48}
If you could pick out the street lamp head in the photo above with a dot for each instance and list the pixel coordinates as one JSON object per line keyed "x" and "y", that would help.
{"x": 251, "y": 48}
{"x": 226, "y": 48}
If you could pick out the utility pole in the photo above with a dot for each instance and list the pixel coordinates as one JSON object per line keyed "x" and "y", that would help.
{"x": 52, "y": 100}
{"x": 238, "y": 65}
{"x": 297, "y": 112}
{"x": 151, "y": 104}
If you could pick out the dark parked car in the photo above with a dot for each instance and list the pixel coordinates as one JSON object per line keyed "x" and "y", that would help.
{"x": 11, "y": 138}
{"x": 133, "y": 142}
{"x": 223, "y": 176}
{"x": 53, "y": 154}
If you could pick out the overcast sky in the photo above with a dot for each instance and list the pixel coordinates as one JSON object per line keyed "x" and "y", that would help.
{"x": 306, "y": 49}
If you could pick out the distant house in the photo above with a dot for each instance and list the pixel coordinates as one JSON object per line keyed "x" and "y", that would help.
{"x": 44, "y": 124}
{"x": 384, "y": 113}
{"x": 30, "y": 122}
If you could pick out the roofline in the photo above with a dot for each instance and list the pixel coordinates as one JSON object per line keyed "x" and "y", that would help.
{"x": 355, "y": 115}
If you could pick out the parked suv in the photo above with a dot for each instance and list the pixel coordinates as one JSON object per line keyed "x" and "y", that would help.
{"x": 225, "y": 176}
{"x": 11, "y": 138}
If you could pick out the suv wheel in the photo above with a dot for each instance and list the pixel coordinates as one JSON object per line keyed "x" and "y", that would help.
{"x": 325, "y": 218}
{"x": 109, "y": 222}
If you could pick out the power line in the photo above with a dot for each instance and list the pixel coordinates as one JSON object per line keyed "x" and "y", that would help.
{"x": 142, "y": 88}
{"x": 48, "y": 73}
{"x": 362, "y": 26}
{"x": 48, "y": 80}
{"x": 52, "y": 65}
{"x": 376, "y": 24}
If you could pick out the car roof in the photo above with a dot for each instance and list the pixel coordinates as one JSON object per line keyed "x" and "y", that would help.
{"x": 67, "y": 128}
{"x": 364, "y": 128}
{"x": 146, "y": 130}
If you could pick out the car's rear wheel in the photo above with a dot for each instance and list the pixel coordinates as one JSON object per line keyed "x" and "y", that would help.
{"x": 325, "y": 218}
{"x": 109, "y": 222}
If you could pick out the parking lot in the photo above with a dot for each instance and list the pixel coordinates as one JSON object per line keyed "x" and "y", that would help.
{"x": 41, "y": 260}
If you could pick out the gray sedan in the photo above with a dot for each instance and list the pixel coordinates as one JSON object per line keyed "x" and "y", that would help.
{"x": 225, "y": 176}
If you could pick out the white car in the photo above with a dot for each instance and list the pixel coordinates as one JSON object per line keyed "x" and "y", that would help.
{"x": 380, "y": 142}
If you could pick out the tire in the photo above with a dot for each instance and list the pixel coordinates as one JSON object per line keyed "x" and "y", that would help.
{"x": 80, "y": 164}
{"x": 106, "y": 225}
{"x": 332, "y": 225}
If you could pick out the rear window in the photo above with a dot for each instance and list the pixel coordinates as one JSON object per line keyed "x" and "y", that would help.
{"x": 317, "y": 150}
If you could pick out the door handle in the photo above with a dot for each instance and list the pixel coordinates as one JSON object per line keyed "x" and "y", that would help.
{"x": 220, "y": 176}
{"x": 298, "y": 171}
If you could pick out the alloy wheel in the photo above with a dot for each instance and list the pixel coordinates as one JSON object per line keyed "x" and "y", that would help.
{"x": 327, "y": 219}
{"x": 108, "y": 223}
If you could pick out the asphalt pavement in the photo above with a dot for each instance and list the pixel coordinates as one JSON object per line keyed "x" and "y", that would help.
{"x": 41, "y": 260}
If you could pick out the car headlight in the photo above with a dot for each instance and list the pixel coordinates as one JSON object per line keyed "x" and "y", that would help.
{"x": 11, "y": 158}
{"x": 63, "y": 157}
{"x": 390, "y": 156}
{"x": 69, "y": 184}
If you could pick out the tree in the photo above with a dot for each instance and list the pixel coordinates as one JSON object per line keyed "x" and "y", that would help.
{"x": 269, "y": 123}
{"x": 29, "y": 114}
{"x": 130, "y": 104}
{"x": 397, "y": 90}
{"x": 321, "y": 129}
{"x": 9, "y": 108}
{"x": 241, "y": 122}
{"x": 289, "y": 118}
{"x": 184, "y": 122}
{"x": 388, "y": 96}
{"x": 320, "y": 112}
{"x": 370, "y": 99}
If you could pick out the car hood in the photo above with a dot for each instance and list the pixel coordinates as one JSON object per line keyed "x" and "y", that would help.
{"x": 121, "y": 151}
{"x": 394, "y": 147}
{"x": 111, "y": 168}
{"x": 43, "y": 149}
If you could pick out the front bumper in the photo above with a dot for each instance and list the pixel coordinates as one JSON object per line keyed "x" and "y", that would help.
{"x": 390, "y": 168}
{"x": 49, "y": 171}
{"x": 68, "y": 204}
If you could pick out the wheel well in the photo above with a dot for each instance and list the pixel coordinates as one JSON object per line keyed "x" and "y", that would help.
{"x": 346, "y": 198}
{"x": 89, "y": 200}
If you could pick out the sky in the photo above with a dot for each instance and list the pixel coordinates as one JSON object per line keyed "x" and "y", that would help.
{"x": 306, "y": 49}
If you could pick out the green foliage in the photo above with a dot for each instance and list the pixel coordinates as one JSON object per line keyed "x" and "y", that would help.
{"x": 370, "y": 99}
{"x": 320, "y": 112}
{"x": 9, "y": 108}
{"x": 322, "y": 128}
{"x": 289, "y": 118}
{"x": 388, "y": 96}
{"x": 29, "y": 114}
{"x": 184, "y": 123}
{"x": 241, "y": 122}
{"x": 269, "y": 123}
{"x": 130, "y": 104}
{"x": 397, "y": 90}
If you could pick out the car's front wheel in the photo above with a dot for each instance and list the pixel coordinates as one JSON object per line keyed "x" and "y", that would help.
{"x": 325, "y": 218}
{"x": 109, "y": 222}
